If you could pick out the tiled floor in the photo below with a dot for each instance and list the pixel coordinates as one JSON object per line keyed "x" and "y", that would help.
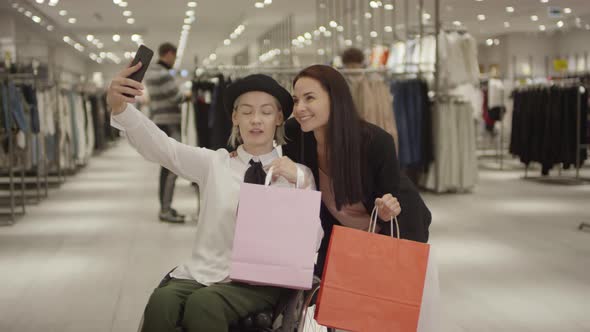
{"x": 87, "y": 258}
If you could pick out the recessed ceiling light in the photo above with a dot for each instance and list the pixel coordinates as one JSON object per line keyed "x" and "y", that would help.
{"x": 130, "y": 20}
{"x": 116, "y": 2}
{"x": 227, "y": 42}
{"x": 36, "y": 19}
{"x": 374, "y": 34}
{"x": 15, "y": 5}
{"x": 307, "y": 35}
{"x": 123, "y": 4}
{"x": 40, "y": 1}
{"x": 186, "y": 27}
{"x": 368, "y": 15}
{"x": 321, "y": 51}
{"x": 50, "y": 28}
{"x": 478, "y": 0}
{"x": 28, "y": 14}
{"x": 322, "y": 29}
{"x": 507, "y": 24}
{"x": 587, "y": 26}
{"x": 387, "y": 7}
{"x": 510, "y": 9}
{"x": 72, "y": 20}
{"x": 490, "y": 42}
{"x": 328, "y": 33}
{"x": 374, "y": 4}
{"x": 340, "y": 28}
{"x": 560, "y": 24}
{"x": 135, "y": 37}
{"x": 213, "y": 57}
{"x": 359, "y": 38}
{"x": 96, "y": 41}
{"x": 67, "y": 39}
{"x": 53, "y": 3}
{"x": 388, "y": 28}
{"x": 192, "y": 4}
{"x": 63, "y": 12}
{"x": 426, "y": 16}
{"x": 301, "y": 39}
{"x": 259, "y": 5}
{"x": 348, "y": 42}
{"x": 127, "y": 13}
{"x": 116, "y": 38}
{"x": 534, "y": 18}
{"x": 457, "y": 23}
{"x": 481, "y": 17}
{"x": 544, "y": 1}
{"x": 333, "y": 24}
{"x": 90, "y": 38}
{"x": 567, "y": 10}
{"x": 268, "y": 2}
{"x": 542, "y": 27}
{"x": 100, "y": 45}
{"x": 190, "y": 13}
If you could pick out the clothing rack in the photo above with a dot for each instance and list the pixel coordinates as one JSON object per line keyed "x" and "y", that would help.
{"x": 577, "y": 179}
{"x": 13, "y": 214}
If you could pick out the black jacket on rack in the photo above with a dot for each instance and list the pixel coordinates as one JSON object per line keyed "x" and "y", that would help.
{"x": 214, "y": 124}
{"x": 544, "y": 124}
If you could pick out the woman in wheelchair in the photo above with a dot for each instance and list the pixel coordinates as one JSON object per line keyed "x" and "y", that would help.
{"x": 198, "y": 295}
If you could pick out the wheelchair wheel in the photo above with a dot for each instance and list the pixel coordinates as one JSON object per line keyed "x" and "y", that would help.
{"x": 307, "y": 321}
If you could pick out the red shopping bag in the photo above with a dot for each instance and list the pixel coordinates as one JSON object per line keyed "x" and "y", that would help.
{"x": 372, "y": 282}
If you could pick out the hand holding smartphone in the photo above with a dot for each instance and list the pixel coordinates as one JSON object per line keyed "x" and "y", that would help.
{"x": 143, "y": 55}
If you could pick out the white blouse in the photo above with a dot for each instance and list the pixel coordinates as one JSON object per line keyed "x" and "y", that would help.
{"x": 219, "y": 177}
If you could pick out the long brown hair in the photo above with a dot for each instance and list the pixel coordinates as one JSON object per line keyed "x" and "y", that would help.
{"x": 344, "y": 143}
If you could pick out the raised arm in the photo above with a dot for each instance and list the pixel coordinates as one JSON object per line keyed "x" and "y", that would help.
{"x": 152, "y": 143}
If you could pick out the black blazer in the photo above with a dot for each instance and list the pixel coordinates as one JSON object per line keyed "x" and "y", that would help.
{"x": 382, "y": 176}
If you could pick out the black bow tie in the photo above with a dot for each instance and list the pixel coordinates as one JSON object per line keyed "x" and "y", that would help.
{"x": 255, "y": 173}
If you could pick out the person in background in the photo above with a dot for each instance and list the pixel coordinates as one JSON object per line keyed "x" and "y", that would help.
{"x": 165, "y": 100}
{"x": 198, "y": 295}
{"x": 353, "y": 58}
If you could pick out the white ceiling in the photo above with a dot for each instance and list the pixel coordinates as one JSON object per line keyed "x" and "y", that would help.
{"x": 158, "y": 21}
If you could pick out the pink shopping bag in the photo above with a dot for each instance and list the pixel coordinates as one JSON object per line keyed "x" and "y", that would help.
{"x": 276, "y": 236}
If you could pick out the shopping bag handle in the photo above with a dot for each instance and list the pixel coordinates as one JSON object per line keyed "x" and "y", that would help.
{"x": 268, "y": 178}
{"x": 373, "y": 223}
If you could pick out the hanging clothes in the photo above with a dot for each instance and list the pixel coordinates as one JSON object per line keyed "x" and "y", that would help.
{"x": 544, "y": 126}
{"x": 374, "y": 102}
{"x": 214, "y": 124}
{"x": 455, "y": 165}
{"x": 412, "y": 111}
{"x": 188, "y": 126}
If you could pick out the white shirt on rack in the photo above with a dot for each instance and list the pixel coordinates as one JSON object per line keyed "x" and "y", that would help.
{"x": 219, "y": 177}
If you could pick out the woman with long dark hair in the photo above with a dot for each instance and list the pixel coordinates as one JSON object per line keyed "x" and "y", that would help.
{"x": 354, "y": 162}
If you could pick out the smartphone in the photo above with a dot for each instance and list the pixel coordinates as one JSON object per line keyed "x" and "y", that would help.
{"x": 144, "y": 55}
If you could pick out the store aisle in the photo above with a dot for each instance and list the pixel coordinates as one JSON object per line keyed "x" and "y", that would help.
{"x": 86, "y": 259}
{"x": 511, "y": 257}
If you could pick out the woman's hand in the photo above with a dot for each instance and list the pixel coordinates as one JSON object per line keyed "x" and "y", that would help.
{"x": 388, "y": 207}
{"x": 286, "y": 168}
{"x": 120, "y": 85}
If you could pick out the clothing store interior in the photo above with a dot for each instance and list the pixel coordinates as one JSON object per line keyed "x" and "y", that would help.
{"x": 310, "y": 165}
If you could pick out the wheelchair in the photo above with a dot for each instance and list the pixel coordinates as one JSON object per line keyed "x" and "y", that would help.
{"x": 293, "y": 313}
